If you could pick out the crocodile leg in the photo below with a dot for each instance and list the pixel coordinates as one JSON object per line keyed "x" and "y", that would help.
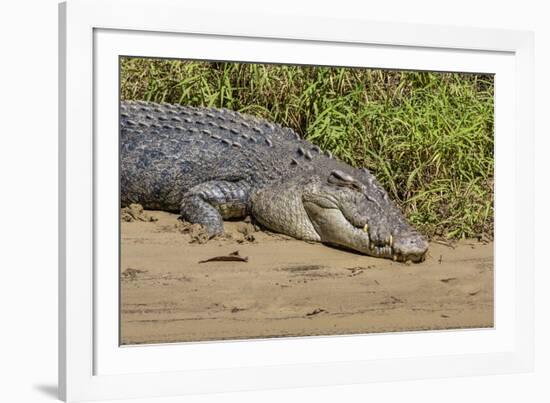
{"x": 211, "y": 202}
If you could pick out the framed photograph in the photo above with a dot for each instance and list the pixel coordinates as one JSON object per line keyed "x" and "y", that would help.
{"x": 244, "y": 207}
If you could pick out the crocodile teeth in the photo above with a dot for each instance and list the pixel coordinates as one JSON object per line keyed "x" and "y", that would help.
{"x": 366, "y": 228}
{"x": 391, "y": 241}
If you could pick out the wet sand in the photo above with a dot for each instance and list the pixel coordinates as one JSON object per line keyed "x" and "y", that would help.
{"x": 288, "y": 287}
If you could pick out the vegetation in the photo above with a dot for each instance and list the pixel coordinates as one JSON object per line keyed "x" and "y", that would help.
{"x": 428, "y": 137}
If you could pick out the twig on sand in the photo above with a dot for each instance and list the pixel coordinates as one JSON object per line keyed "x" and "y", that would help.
{"x": 232, "y": 257}
{"x": 316, "y": 312}
{"x": 441, "y": 242}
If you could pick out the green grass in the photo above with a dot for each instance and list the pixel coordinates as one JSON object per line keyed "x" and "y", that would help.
{"x": 428, "y": 137}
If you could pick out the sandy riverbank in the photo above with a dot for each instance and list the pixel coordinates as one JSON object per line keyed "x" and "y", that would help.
{"x": 289, "y": 287}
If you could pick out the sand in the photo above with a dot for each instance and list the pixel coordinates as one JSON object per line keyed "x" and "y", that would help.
{"x": 288, "y": 287}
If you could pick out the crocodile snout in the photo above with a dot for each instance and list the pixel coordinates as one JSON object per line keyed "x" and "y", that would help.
{"x": 409, "y": 246}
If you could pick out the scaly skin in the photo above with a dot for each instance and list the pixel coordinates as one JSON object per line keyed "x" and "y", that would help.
{"x": 214, "y": 164}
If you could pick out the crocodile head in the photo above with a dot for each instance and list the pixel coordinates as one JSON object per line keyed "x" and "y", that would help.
{"x": 348, "y": 209}
{"x": 355, "y": 212}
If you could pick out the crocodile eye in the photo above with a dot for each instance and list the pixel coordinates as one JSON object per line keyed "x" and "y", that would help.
{"x": 340, "y": 178}
{"x": 337, "y": 176}
{"x": 356, "y": 186}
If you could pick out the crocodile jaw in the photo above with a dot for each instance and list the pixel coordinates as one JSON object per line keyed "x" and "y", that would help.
{"x": 333, "y": 228}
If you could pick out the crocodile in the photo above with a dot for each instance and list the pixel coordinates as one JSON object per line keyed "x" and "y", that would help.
{"x": 210, "y": 165}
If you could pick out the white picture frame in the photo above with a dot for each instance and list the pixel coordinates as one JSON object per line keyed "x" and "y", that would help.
{"x": 93, "y": 33}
